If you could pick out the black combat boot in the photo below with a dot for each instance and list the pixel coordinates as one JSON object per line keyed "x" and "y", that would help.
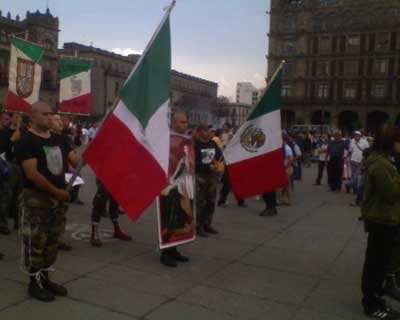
{"x": 55, "y": 288}
{"x": 36, "y": 288}
{"x": 391, "y": 286}
{"x": 167, "y": 260}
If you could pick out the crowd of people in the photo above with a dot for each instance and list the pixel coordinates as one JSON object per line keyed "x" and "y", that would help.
{"x": 37, "y": 152}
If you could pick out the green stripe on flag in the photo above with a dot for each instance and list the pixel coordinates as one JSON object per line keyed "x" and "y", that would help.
{"x": 35, "y": 53}
{"x": 271, "y": 100}
{"x": 69, "y": 67}
{"x": 149, "y": 87}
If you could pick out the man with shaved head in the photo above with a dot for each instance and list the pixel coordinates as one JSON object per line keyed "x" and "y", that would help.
{"x": 44, "y": 158}
{"x": 176, "y": 201}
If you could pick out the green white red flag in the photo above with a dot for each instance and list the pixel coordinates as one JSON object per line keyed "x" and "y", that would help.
{"x": 254, "y": 157}
{"x": 131, "y": 150}
{"x": 75, "y": 86}
{"x": 25, "y": 75}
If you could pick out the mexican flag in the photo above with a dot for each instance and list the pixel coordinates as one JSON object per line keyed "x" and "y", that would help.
{"x": 131, "y": 150}
{"x": 254, "y": 157}
{"x": 75, "y": 92}
{"x": 25, "y": 75}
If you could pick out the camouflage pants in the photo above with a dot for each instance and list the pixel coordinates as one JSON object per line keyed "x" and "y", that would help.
{"x": 206, "y": 194}
{"x": 10, "y": 189}
{"x": 100, "y": 204}
{"x": 42, "y": 223}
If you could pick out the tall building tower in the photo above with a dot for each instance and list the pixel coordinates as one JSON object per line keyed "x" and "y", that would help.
{"x": 342, "y": 61}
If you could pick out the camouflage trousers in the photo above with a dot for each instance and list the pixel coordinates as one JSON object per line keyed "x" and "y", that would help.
{"x": 100, "y": 201}
{"x": 42, "y": 223}
{"x": 206, "y": 194}
{"x": 10, "y": 189}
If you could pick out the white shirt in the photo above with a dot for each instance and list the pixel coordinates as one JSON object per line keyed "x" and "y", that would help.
{"x": 85, "y": 135}
{"x": 288, "y": 153}
{"x": 357, "y": 148}
{"x": 323, "y": 155}
{"x": 92, "y": 132}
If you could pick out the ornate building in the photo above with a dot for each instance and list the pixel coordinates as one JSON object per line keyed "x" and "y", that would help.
{"x": 342, "y": 61}
{"x": 41, "y": 28}
{"x": 110, "y": 70}
{"x": 233, "y": 113}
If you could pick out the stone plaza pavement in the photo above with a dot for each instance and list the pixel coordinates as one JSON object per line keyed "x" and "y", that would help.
{"x": 304, "y": 263}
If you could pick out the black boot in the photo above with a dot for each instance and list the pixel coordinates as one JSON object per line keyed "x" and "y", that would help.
{"x": 178, "y": 256}
{"x": 36, "y": 288}
{"x": 391, "y": 287}
{"x": 167, "y": 260}
{"x": 54, "y": 288}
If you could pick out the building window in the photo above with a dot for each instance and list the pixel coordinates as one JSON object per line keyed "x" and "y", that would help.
{"x": 350, "y": 68}
{"x": 116, "y": 89}
{"x": 323, "y": 69}
{"x": 382, "y": 41}
{"x": 327, "y": 2}
{"x": 325, "y": 44}
{"x": 288, "y": 69}
{"x": 381, "y": 67}
{"x": 286, "y": 90}
{"x": 288, "y": 46}
{"x": 350, "y": 90}
{"x": 353, "y": 43}
{"x": 379, "y": 90}
{"x": 288, "y": 23}
{"x": 322, "y": 90}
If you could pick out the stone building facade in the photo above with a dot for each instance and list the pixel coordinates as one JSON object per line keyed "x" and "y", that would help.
{"x": 233, "y": 113}
{"x": 41, "y": 28}
{"x": 342, "y": 61}
{"x": 110, "y": 70}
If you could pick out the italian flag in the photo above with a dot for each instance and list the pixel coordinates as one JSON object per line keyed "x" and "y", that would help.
{"x": 25, "y": 75}
{"x": 254, "y": 157}
{"x": 130, "y": 153}
{"x": 75, "y": 93}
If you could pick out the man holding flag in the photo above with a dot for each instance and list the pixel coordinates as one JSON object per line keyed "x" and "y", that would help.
{"x": 134, "y": 170}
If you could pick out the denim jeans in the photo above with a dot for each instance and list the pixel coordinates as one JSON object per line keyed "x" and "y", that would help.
{"x": 355, "y": 173}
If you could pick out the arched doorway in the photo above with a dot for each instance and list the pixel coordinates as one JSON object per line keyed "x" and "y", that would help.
{"x": 288, "y": 118}
{"x": 320, "y": 117}
{"x": 347, "y": 121}
{"x": 375, "y": 120}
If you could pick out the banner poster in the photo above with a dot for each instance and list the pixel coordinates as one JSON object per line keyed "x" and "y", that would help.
{"x": 175, "y": 206}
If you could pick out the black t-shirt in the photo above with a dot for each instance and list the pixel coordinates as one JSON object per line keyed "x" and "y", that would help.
{"x": 206, "y": 154}
{"x": 6, "y": 146}
{"x": 51, "y": 155}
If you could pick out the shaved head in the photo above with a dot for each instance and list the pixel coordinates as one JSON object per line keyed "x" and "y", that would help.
{"x": 179, "y": 122}
{"x": 41, "y": 116}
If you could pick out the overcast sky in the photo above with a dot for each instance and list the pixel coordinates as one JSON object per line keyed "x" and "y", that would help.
{"x": 220, "y": 40}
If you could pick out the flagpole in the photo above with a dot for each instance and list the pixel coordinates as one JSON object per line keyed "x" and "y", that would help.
{"x": 81, "y": 163}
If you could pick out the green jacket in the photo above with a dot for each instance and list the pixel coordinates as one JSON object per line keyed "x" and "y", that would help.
{"x": 382, "y": 191}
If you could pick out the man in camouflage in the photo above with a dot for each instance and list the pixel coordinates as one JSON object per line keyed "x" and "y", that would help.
{"x": 44, "y": 158}
{"x": 207, "y": 155}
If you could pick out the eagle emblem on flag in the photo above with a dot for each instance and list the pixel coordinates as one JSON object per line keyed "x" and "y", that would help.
{"x": 252, "y": 138}
{"x": 76, "y": 86}
{"x": 25, "y": 77}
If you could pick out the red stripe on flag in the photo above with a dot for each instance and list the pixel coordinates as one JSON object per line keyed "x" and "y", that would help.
{"x": 81, "y": 104}
{"x": 256, "y": 176}
{"x": 126, "y": 169}
{"x": 15, "y": 103}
